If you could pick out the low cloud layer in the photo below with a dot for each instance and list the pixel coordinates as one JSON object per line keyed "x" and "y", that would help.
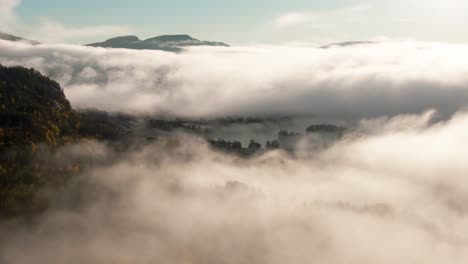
{"x": 350, "y": 82}
{"x": 394, "y": 192}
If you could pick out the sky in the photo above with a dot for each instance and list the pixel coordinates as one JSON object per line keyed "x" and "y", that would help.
{"x": 238, "y": 22}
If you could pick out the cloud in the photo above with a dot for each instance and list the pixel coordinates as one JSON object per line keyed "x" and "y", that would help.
{"x": 398, "y": 186}
{"x": 290, "y": 19}
{"x": 7, "y": 13}
{"x": 321, "y": 18}
{"x": 53, "y": 31}
{"x": 393, "y": 190}
{"x": 50, "y": 30}
{"x": 348, "y": 83}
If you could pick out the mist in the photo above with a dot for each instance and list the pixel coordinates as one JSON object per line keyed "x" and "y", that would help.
{"x": 347, "y": 83}
{"x": 390, "y": 192}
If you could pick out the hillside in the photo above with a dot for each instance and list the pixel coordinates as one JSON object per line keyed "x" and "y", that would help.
{"x": 34, "y": 113}
{"x": 34, "y": 109}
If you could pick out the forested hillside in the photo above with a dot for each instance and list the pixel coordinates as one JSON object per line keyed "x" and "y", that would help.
{"x": 34, "y": 114}
{"x": 33, "y": 109}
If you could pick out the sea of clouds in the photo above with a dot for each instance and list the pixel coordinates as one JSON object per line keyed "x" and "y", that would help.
{"x": 393, "y": 190}
{"x": 354, "y": 82}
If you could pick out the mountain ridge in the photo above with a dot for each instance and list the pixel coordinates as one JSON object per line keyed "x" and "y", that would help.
{"x": 9, "y": 37}
{"x": 347, "y": 44}
{"x": 174, "y": 43}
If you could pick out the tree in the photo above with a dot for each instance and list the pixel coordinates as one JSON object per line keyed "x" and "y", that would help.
{"x": 272, "y": 145}
{"x": 254, "y": 145}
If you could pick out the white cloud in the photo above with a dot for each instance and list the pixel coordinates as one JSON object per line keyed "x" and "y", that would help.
{"x": 349, "y": 83}
{"x": 291, "y": 19}
{"x": 49, "y": 30}
{"x": 391, "y": 196}
{"x": 322, "y": 18}
{"x": 7, "y": 13}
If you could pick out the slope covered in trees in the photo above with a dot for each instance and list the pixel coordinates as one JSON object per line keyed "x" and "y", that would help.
{"x": 33, "y": 109}
{"x": 33, "y": 113}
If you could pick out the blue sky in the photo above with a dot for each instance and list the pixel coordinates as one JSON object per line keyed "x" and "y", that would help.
{"x": 241, "y": 21}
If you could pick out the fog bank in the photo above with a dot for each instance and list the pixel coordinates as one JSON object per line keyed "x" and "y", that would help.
{"x": 391, "y": 192}
{"x": 341, "y": 83}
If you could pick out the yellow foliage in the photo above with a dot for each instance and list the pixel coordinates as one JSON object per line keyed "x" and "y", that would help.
{"x": 33, "y": 147}
{"x": 50, "y": 137}
{"x": 55, "y": 129}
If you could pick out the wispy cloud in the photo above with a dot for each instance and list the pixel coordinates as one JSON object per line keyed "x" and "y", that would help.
{"x": 293, "y": 18}
{"x": 7, "y": 13}
{"x": 54, "y": 31}
{"x": 50, "y": 30}
{"x": 320, "y": 18}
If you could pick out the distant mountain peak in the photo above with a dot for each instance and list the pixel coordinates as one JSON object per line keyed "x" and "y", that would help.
{"x": 347, "y": 44}
{"x": 171, "y": 38}
{"x": 173, "y": 43}
{"x": 123, "y": 38}
{"x": 9, "y": 37}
